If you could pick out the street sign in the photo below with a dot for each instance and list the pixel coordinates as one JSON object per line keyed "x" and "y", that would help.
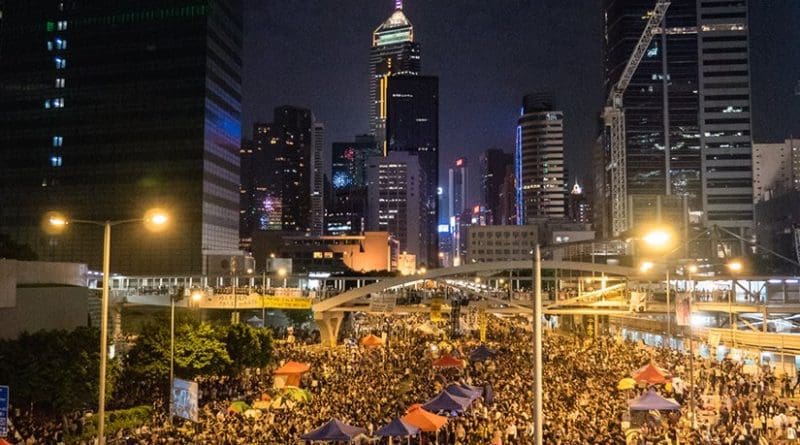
{"x": 3, "y": 411}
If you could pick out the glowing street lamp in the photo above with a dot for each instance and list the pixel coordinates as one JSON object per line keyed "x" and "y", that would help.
{"x": 154, "y": 219}
{"x": 658, "y": 238}
{"x": 646, "y": 266}
{"x": 282, "y": 272}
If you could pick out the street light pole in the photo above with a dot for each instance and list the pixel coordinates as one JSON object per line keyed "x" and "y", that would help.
{"x": 691, "y": 352}
{"x": 537, "y": 346}
{"x": 101, "y": 410}
{"x": 669, "y": 314}
{"x": 171, "y": 352}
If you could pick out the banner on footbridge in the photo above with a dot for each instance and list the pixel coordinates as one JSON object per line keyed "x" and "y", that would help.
{"x": 253, "y": 301}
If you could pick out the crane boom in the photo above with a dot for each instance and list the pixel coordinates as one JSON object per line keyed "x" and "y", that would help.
{"x": 614, "y": 119}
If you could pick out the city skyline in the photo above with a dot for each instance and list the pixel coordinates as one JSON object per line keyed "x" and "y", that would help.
{"x": 480, "y": 88}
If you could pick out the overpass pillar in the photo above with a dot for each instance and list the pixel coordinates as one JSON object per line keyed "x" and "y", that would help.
{"x": 329, "y": 324}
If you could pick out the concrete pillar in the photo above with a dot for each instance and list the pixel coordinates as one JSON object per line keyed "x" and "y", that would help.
{"x": 329, "y": 324}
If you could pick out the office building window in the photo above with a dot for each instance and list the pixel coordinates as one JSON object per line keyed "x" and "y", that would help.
{"x": 60, "y": 82}
{"x": 55, "y": 161}
{"x": 58, "y": 141}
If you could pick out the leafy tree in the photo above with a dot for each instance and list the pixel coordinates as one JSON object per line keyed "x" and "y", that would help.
{"x": 298, "y": 316}
{"x": 199, "y": 350}
{"x": 54, "y": 371}
{"x": 244, "y": 347}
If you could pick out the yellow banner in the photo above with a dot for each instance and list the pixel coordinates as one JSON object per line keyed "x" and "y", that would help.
{"x": 286, "y": 303}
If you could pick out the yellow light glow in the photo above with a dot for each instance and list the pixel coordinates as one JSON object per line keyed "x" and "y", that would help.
{"x": 197, "y": 296}
{"x": 692, "y": 268}
{"x": 423, "y": 270}
{"x": 282, "y": 272}
{"x": 735, "y": 266}
{"x": 477, "y": 279}
{"x": 657, "y": 238}
{"x": 156, "y": 219}
{"x": 54, "y": 223}
{"x": 57, "y": 221}
{"x": 646, "y": 266}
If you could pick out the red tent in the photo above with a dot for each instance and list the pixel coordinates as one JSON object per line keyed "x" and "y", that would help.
{"x": 651, "y": 374}
{"x": 371, "y": 340}
{"x": 448, "y": 361}
{"x": 289, "y": 374}
{"x": 424, "y": 420}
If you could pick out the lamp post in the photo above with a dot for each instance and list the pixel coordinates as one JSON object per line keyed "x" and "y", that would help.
{"x": 537, "y": 346}
{"x": 660, "y": 239}
{"x": 691, "y": 269}
{"x": 154, "y": 219}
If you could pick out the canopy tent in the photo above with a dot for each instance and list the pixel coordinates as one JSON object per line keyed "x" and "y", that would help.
{"x": 371, "y": 341}
{"x": 481, "y": 353}
{"x": 289, "y": 374}
{"x": 651, "y": 374}
{"x": 463, "y": 391}
{"x": 448, "y": 361}
{"x": 424, "y": 420}
{"x": 652, "y": 401}
{"x": 626, "y": 383}
{"x": 255, "y": 322}
{"x": 334, "y": 430}
{"x": 447, "y": 402}
{"x": 397, "y": 427}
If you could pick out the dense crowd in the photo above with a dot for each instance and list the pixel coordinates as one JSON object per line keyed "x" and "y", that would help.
{"x": 367, "y": 387}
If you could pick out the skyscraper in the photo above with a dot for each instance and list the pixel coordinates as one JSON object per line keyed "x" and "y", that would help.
{"x": 494, "y": 163}
{"x": 412, "y": 126}
{"x": 317, "y": 179}
{"x": 541, "y": 188}
{"x": 699, "y": 73}
{"x": 393, "y": 52}
{"x": 578, "y": 208}
{"x": 282, "y": 187}
{"x": 108, "y": 108}
{"x": 347, "y": 212}
{"x": 457, "y": 187}
{"x": 395, "y": 183}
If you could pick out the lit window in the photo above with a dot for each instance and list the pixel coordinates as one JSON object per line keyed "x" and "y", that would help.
{"x": 61, "y": 63}
{"x": 58, "y": 141}
{"x": 317, "y": 254}
{"x": 47, "y": 103}
{"x": 61, "y": 25}
{"x": 58, "y": 102}
{"x": 55, "y": 161}
{"x": 60, "y": 82}
{"x": 60, "y": 43}
{"x": 49, "y": 45}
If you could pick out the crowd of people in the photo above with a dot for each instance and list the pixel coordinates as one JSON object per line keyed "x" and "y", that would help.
{"x": 367, "y": 387}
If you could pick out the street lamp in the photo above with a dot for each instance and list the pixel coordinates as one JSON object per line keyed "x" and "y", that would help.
{"x": 660, "y": 239}
{"x": 154, "y": 219}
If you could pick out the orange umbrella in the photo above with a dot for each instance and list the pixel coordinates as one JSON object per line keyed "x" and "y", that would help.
{"x": 424, "y": 420}
{"x": 448, "y": 361}
{"x": 371, "y": 341}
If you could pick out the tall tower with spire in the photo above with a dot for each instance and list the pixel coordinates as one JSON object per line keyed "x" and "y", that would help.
{"x": 393, "y": 52}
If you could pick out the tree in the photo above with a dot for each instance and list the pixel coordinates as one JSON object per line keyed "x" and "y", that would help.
{"x": 54, "y": 371}
{"x": 298, "y": 316}
{"x": 243, "y": 344}
{"x": 15, "y": 251}
{"x": 199, "y": 350}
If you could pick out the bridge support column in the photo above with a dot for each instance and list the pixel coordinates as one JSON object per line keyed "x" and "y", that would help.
{"x": 329, "y": 324}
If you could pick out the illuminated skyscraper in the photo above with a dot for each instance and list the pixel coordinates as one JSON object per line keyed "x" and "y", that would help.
{"x": 457, "y": 187}
{"x": 393, "y": 52}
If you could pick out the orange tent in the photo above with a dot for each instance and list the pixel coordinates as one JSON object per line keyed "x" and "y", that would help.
{"x": 448, "y": 361}
{"x": 651, "y": 374}
{"x": 289, "y": 374}
{"x": 424, "y": 420}
{"x": 371, "y": 341}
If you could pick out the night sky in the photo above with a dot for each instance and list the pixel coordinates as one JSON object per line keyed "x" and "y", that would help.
{"x": 487, "y": 54}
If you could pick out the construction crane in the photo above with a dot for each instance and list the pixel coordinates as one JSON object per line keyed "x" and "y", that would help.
{"x": 614, "y": 119}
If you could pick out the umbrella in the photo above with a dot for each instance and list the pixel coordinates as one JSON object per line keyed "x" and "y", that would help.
{"x": 424, "y": 420}
{"x": 238, "y": 407}
{"x": 652, "y": 401}
{"x": 297, "y": 394}
{"x": 461, "y": 391}
{"x": 447, "y": 402}
{"x": 334, "y": 430}
{"x": 481, "y": 353}
{"x": 292, "y": 368}
{"x": 626, "y": 383}
{"x": 397, "y": 427}
{"x": 448, "y": 361}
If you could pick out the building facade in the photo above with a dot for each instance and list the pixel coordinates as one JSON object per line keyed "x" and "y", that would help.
{"x": 412, "y": 126}
{"x": 494, "y": 164}
{"x": 393, "y": 52}
{"x": 774, "y": 168}
{"x": 487, "y": 244}
{"x": 394, "y": 187}
{"x": 108, "y": 109}
{"x": 347, "y": 211}
{"x": 317, "y": 179}
{"x": 457, "y": 187}
{"x": 578, "y": 208}
{"x": 541, "y": 183}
